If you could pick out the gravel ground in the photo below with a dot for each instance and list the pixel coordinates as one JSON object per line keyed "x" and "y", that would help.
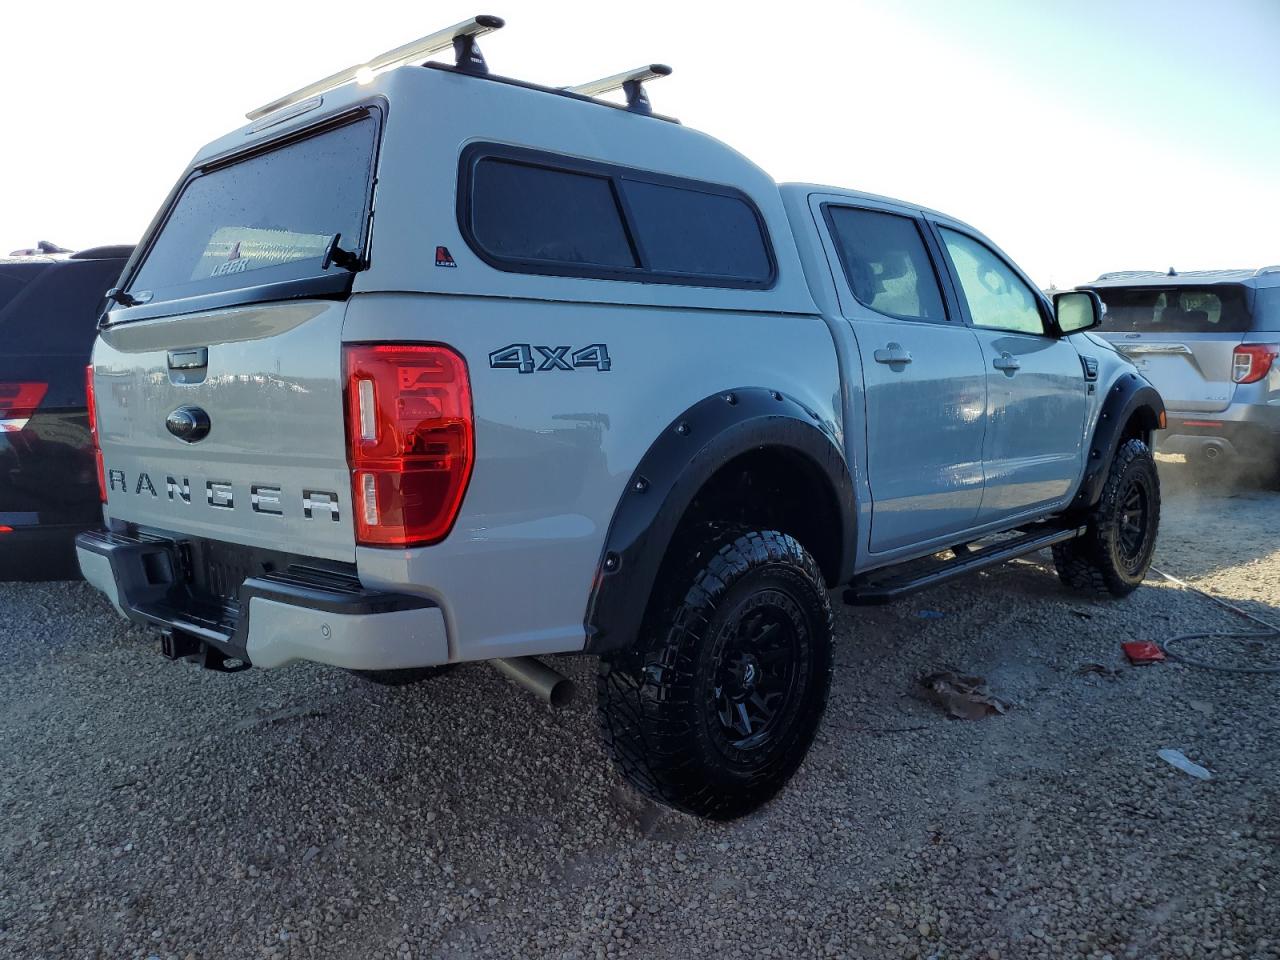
{"x": 151, "y": 809}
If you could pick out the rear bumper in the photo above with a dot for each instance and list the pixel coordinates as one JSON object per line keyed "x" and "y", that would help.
{"x": 277, "y": 618}
{"x": 1245, "y": 431}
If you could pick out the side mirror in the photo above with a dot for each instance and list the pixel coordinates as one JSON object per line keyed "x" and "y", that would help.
{"x": 1077, "y": 310}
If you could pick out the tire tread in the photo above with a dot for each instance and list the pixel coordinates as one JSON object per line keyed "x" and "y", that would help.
{"x": 645, "y": 697}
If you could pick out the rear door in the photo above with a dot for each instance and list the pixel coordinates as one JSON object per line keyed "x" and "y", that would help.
{"x": 240, "y": 325}
{"x": 1181, "y": 338}
{"x": 923, "y": 379}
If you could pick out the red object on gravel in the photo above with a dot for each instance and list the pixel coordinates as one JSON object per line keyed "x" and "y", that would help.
{"x": 1142, "y": 652}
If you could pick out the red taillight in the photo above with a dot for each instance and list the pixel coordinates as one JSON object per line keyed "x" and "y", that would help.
{"x": 18, "y": 401}
{"x": 410, "y": 441}
{"x": 1252, "y": 361}
{"x": 91, "y": 404}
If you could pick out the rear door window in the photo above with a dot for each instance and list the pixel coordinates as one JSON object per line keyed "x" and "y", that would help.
{"x": 1266, "y": 309}
{"x": 997, "y": 297}
{"x": 1222, "y": 308}
{"x": 266, "y": 218}
{"x": 886, "y": 263}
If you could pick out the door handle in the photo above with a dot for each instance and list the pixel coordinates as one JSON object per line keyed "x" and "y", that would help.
{"x": 1006, "y": 362}
{"x": 892, "y": 353}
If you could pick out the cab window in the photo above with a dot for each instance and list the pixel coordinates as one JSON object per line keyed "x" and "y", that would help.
{"x": 886, "y": 263}
{"x": 998, "y": 298}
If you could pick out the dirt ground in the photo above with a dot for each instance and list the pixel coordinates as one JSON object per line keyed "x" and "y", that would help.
{"x": 151, "y": 809}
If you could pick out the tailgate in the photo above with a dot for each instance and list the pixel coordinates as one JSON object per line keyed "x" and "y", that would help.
{"x": 1192, "y": 372}
{"x": 272, "y": 470}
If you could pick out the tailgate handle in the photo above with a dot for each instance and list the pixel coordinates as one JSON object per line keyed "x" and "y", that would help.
{"x": 195, "y": 359}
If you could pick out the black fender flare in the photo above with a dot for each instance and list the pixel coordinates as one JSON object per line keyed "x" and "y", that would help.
{"x": 667, "y": 479}
{"x": 1130, "y": 394}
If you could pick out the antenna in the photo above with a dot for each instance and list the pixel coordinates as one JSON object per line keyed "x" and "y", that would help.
{"x": 630, "y": 83}
{"x": 461, "y": 36}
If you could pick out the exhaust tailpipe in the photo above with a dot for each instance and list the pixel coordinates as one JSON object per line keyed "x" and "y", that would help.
{"x": 1212, "y": 451}
{"x": 550, "y": 686}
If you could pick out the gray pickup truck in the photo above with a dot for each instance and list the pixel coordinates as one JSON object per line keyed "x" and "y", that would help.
{"x": 424, "y": 365}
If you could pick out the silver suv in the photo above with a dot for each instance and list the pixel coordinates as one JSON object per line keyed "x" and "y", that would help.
{"x": 1208, "y": 341}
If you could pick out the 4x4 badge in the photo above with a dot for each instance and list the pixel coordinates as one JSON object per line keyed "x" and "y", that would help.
{"x": 521, "y": 356}
{"x": 444, "y": 258}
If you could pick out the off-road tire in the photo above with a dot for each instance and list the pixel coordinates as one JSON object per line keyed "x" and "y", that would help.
{"x": 716, "y": 707}
{"x": 403, "y": 677}
{"x": 1108, "y": 560}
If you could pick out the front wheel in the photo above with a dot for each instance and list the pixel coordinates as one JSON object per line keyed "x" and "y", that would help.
{"x": 716, "y": 708}
{"x": 1114, "y": 554}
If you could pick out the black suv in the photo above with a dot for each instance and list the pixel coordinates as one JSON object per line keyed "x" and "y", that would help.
{"x": 49, "y": 307}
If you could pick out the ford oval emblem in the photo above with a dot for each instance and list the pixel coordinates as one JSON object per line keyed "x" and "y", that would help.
{"x": 188, "y": 423}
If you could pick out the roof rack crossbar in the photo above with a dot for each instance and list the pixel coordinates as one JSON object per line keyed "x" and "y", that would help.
{"x": 461, "y": 36}
{"x": 630, "y": 82}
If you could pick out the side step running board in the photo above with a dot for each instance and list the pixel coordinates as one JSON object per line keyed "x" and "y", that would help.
{"x": 881, "y": 586}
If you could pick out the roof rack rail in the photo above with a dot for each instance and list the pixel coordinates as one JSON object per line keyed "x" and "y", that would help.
{"x": 630, "y": 82}
{"x": 1272, "y": 268}
{"x": 461, "y": 36}
{"x": 1126, "y": 274}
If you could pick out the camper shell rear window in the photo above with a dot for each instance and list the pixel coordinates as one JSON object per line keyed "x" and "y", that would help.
{"x": 267, "y": 217}
{"x": 526, "y": 211}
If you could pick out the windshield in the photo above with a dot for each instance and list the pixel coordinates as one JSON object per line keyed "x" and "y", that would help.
{"x": 265, "y": 219}
{"x": 1218, "y": 309}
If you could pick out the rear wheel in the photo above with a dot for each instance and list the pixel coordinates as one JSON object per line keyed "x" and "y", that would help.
{"x": 1115, "y": 552}
{"x": 715, "y": 711}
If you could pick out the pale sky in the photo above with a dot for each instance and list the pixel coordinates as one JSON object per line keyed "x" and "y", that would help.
{"x": 1082, "y": 137}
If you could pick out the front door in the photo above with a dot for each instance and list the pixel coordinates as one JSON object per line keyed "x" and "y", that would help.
{"x": 923, "y": 379}
{"x": 1037, "y": 395}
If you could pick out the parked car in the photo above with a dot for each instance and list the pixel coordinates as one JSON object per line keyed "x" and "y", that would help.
{"x": 594, "y": 384}
{"x": 49, "y": 306}
{"x": 1208, "y": 340}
